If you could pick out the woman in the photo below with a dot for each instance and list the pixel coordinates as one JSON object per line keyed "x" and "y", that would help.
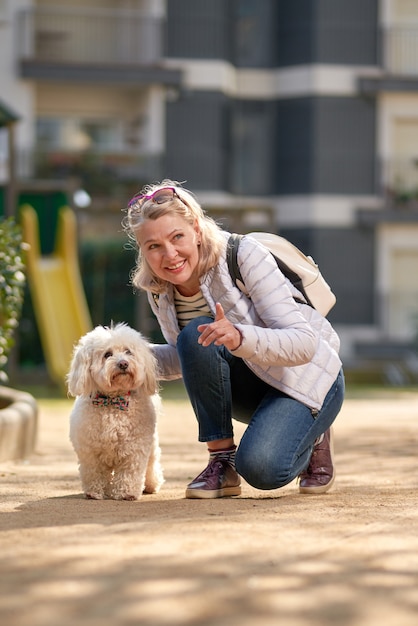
{"x": 265, "y": 360}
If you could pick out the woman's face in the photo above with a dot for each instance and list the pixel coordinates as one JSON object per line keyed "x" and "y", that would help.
{"x": 170, "y": 246}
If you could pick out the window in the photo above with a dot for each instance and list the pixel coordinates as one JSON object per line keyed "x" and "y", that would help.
{"x": 255, "y": 33}
{"x": 76, "y": 134}
{"x": 252, "y": 131}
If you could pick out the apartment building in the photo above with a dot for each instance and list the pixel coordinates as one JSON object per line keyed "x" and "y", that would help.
{"x": 296, "y": 115}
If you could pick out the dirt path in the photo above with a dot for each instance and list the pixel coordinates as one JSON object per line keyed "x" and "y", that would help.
{"x": 267, "y": 558}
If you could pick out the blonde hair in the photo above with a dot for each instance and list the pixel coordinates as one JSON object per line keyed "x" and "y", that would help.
{"x": 184, "y": 205}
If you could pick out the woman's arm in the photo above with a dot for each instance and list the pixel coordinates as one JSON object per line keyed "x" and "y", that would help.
{"x": 168, "y": 361}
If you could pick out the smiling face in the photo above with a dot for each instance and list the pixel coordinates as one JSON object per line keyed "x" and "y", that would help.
{"x": 170, "y": 245}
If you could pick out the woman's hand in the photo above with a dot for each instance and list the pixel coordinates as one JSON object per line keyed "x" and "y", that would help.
{"x": 220, "y": 332}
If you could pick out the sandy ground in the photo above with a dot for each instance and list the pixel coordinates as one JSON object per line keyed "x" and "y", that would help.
{"x": 349, "y": 557}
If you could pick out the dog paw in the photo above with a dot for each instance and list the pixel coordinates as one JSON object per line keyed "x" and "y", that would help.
{"x": 153, "y": 486}
{"x": 91, "y": 495}
{"x": 123, "y": 496}
{"x": 151, "y": 490}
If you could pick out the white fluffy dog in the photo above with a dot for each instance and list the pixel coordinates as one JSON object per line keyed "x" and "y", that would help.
{"x": 113, "y": 425}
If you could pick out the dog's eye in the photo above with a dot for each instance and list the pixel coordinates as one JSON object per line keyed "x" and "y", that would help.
{"x": 127, "y": 351}
{"x": 108, "y": 354}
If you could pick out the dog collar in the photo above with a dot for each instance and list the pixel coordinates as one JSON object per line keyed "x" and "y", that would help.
{"x": 121, "y": 402}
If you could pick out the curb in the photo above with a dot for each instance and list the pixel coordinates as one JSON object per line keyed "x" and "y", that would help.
{"x": 18, "y": 424}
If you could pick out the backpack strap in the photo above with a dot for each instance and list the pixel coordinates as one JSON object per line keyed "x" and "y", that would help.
{"x": 235, "y": 272}
{"x": 232, "y": 257}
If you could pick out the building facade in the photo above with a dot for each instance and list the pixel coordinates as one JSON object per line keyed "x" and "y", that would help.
{"x": 296, "y": 115}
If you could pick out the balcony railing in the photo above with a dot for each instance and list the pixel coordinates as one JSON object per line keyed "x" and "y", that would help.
{"x": 399, "y": 182}
{"x": 99, "y": 173}
{"x": 400, "y": 50}
{"x": 89, "y": 35}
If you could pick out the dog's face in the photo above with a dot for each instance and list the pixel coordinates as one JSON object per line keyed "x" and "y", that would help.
{"x": 112, "y": 360}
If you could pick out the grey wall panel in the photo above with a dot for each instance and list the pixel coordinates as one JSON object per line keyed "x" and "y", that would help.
{"x": 199, "y": 29}
{"x": 296, "y": 32}
{"x": 346, "y": 258}
{"x": 327, "y": 31}
{"x": 197, "y": 140}
{"x": 273, "y": 33}
{"x": 346, "y": 32}
{"x": 343, "y": 145}
{"x": 294, "y": 169}
{"x": 325, "y": 145}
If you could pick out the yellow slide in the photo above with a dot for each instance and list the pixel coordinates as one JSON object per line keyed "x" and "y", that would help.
{"x": 57, "y": 291}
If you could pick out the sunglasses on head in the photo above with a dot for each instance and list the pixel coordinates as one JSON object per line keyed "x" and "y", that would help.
{"x": 166, "y": 194}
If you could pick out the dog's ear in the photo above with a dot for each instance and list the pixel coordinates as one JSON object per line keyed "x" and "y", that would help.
{"x": 79, "y": 379}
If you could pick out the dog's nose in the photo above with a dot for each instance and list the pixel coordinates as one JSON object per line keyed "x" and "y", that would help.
{"x": 123, "y": 365}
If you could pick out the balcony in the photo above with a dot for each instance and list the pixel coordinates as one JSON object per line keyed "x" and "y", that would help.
{"x": 105, "y": 174}
{"x": 399, "y": 62}
{"x": 400, "y": 51}
{"x": 93, "y": 45}
{"x": 400, "y": 183}
{"x": 397, "y": 191}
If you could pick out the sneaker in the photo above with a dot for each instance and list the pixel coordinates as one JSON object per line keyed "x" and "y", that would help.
{"x": 320, "y": 474}
{"x": 218, "y": 480}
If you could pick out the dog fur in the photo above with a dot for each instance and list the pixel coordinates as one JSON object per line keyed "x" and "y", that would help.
{"x": 116, "y": 444}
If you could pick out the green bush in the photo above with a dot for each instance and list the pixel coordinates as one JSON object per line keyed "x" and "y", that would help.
{"x": 12, "y": 283}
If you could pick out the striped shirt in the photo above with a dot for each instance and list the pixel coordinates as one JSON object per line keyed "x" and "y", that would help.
{"x": 189, "y": 307}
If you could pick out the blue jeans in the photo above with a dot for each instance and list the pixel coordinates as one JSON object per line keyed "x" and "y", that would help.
{"x": 278, "y": 443}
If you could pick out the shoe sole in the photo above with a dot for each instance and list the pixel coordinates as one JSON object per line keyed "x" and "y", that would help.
{"x": 318, "y": 490}
{"x": 327, "y": 487}
{"x": 207, "y": 494}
